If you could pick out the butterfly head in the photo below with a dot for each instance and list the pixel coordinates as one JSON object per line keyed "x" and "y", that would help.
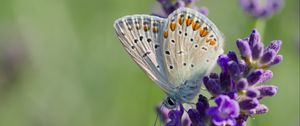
{"x": 170, "y": 102}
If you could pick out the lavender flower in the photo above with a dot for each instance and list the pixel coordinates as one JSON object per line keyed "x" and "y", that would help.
{"x": 261, "y": 8}
{"x": 225, "y": 112}
{"x": 168, "y": 6}
{"x": 238, "y": 88}
{"x": 173, "y": 117}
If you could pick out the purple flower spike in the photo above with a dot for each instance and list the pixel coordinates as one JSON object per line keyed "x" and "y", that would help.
{"x": 260, "y": 9}
{"x": 248, "y": 104}
{"x": 254, "y": 77}
{"x": 267, "y": 90}
{"x": 243, "y": 47}
{"x": 225, "y": 111}
{"x": 268, "y": 57}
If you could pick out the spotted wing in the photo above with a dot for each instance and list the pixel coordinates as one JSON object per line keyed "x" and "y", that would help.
{"x": 141, "y": 37}
{"x": 191, "y": 45}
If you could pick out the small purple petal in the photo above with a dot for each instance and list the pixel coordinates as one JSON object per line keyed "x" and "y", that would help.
{"x": 268, "y": 56}
{"x": 254, "y": 38}
{"x": 195, "y": 117}
{"x": 242, "y": 84}
{"x": 277, "y": 60}
{"x": 267, "y": 75}
{"x": 254, "y": 77}
{"x": 233, "y": 95}
{"x": 252, "y": 93}
{"x": 257, "y": 51}
{"x": 260, "y": 109}
{"x": 275, "y": 45}
{"x": 213, "y": 87}
{"x": 225, "y": 81}
{"x": 267, "y": 90}
{"x": 202, "y": 105}
{"x": 205, "y": 79}
{"x": 214, "y": 76}
{"x": 222, "y": 61}
{"x": 241, "y": 120}
{"x": 248, "y": 104}
{"x": 232, "y": 56}
{"x": 162, "y": 113}
{"x": 233, "y": 68}
{"x": 243, "y": 65}
{"x": 243, "y": 47}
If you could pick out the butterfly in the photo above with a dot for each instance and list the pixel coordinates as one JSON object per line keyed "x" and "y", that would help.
{"x": 175, "y": 52}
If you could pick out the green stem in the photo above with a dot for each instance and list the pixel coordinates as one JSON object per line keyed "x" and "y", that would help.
{"x": 260, "y": 25}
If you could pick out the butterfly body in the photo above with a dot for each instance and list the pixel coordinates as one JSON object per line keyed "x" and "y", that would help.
{"x": 175, "y": 52}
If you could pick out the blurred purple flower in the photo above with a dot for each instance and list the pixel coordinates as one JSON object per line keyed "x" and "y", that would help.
{"x": 225, "y": 112}
{"x": 261, "y": 8}
{"x": 166, "y": 7}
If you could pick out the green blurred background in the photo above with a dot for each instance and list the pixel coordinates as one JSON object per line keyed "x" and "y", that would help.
{"x": 61, "y": 63}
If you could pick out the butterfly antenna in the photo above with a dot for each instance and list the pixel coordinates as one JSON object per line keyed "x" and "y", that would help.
{"x": 157, "y": 115}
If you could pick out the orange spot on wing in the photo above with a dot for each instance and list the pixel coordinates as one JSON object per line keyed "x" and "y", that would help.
{"x": 155, "y": 29}
{"x": 146, "y": 27}
{"x": 203, "y": 32}
{"x": 166, "y": 34}
{"x": 195, "y": 26}
{"x": 188, "y": 21}
{"x": 180, "y": 20}
{"x": 172, "y": 26}
{"x": 212, "y": 42}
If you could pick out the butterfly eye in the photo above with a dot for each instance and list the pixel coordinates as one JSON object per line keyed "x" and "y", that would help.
{"x": 171, "y": 101}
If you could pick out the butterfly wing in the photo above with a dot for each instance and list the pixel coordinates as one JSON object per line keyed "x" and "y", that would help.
{"x": 191, "y": 45}
{"x": 141, "y": 37}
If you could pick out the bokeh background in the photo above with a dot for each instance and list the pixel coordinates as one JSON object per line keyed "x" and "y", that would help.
{"x": 61, "y": 63}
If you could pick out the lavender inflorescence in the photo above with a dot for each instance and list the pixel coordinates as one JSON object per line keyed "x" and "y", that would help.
{"x": 236, "y": 90}
{"x": 166, "y": 7}
{"x": 261, "y": 8}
